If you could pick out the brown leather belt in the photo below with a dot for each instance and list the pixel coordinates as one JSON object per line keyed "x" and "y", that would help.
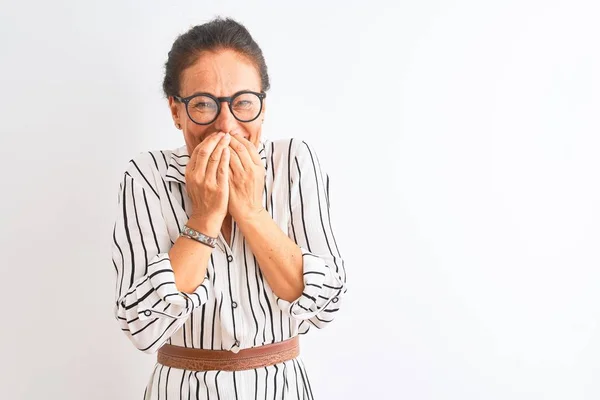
{"x": 224, "y": 360}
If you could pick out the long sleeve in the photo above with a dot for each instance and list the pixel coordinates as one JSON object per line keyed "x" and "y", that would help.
{"x": 310, "y": 227}
{"x": 148, "y": 306}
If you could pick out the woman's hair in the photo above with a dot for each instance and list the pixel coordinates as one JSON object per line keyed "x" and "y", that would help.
{"x": 218, "y": 34}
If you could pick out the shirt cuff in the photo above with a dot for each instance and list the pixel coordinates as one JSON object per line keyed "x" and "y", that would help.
{"x": 160, "y": 296}
{"x": 322, "y": 286}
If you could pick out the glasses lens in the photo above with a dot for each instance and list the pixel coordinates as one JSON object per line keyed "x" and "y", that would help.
{"x": 246, "y": 106}
{"x": 202, "y": 109}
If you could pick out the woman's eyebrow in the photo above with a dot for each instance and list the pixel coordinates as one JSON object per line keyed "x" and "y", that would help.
{"x": 212, "y": 94}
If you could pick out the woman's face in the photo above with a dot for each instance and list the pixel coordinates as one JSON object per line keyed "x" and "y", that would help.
{"x": 221, "y": 73}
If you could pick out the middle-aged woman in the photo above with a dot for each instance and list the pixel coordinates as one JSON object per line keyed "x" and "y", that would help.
{"x": 223, "y": 248}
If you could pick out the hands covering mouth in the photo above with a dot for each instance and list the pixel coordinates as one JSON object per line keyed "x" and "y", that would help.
{"x": 233, "y": 133}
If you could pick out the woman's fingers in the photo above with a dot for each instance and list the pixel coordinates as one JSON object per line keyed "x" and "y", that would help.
{"x": 216, "y": 158}
{"x": 223, "y": 171}
{"x": 241, "y": 150}
{"x": 204, "y": 151}
{"x": 235, "y": 163}
{"x": 192, "y": 164}
{"x": 250, "y": 148}
{"x": 206, "y": 184}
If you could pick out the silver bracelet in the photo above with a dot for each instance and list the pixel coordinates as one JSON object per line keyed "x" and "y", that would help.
{"x": 198, "y": 236}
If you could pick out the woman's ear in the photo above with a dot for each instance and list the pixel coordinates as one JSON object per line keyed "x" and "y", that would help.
{"x": 175, "y": 108}
{"x": 264, "y": 109}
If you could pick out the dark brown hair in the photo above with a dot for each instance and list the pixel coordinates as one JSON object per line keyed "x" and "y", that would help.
{"x": 220, "y": 33}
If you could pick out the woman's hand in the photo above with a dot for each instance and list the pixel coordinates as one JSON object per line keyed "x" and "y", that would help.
{"x": 207, "y": 183}
{"x": 246, "y": 179}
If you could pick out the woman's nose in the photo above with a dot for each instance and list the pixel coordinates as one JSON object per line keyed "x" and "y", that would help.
{"x": 225, "y": 121}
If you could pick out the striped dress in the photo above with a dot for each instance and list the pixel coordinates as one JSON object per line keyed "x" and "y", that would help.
{"x": 234, "y": 308}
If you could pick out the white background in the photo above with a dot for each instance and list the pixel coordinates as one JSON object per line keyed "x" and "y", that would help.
{"x": 461, "y": 138}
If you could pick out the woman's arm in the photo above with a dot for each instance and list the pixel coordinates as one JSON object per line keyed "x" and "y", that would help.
{"x": 149, "y": 305}
{"x": 279, "y": 257}
{"x": 189, "y": 258}
{"x": 305, "y": 269}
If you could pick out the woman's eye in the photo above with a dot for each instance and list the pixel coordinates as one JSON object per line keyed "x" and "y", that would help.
{"x": 242, "y": 104}
{"x": 203, "y": 106}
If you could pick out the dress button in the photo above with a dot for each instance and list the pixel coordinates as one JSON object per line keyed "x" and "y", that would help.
{"x": 230, "y": 258}
{"x": 234, "y": 304}
{"x": 335, "y": 299}
{"x": 147, "y": 313}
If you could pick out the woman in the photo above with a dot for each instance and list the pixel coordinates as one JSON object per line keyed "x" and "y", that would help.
{"x": 223, "y": 248}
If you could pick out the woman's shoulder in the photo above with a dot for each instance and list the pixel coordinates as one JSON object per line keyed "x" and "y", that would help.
{"x": 290, "y": 148}
{"x": 148, "y": 166}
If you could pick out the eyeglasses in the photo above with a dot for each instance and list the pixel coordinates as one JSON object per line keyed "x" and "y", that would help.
{"x": 204, "y": 108}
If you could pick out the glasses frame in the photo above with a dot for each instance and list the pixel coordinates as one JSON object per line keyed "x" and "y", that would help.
{"x": 219, "y": 100}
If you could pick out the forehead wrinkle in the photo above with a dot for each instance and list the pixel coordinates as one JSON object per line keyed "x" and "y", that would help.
{"x": 221, "y": 74}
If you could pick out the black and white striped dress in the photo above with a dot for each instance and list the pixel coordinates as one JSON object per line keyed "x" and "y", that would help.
{"x": 234, "y": 308}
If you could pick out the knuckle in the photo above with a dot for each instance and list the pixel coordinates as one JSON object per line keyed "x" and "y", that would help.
{"x": 208, "y": 186}
{"x": 203, "y": 152}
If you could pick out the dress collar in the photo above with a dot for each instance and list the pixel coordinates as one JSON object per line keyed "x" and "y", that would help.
{"x": 180, "y": 158}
